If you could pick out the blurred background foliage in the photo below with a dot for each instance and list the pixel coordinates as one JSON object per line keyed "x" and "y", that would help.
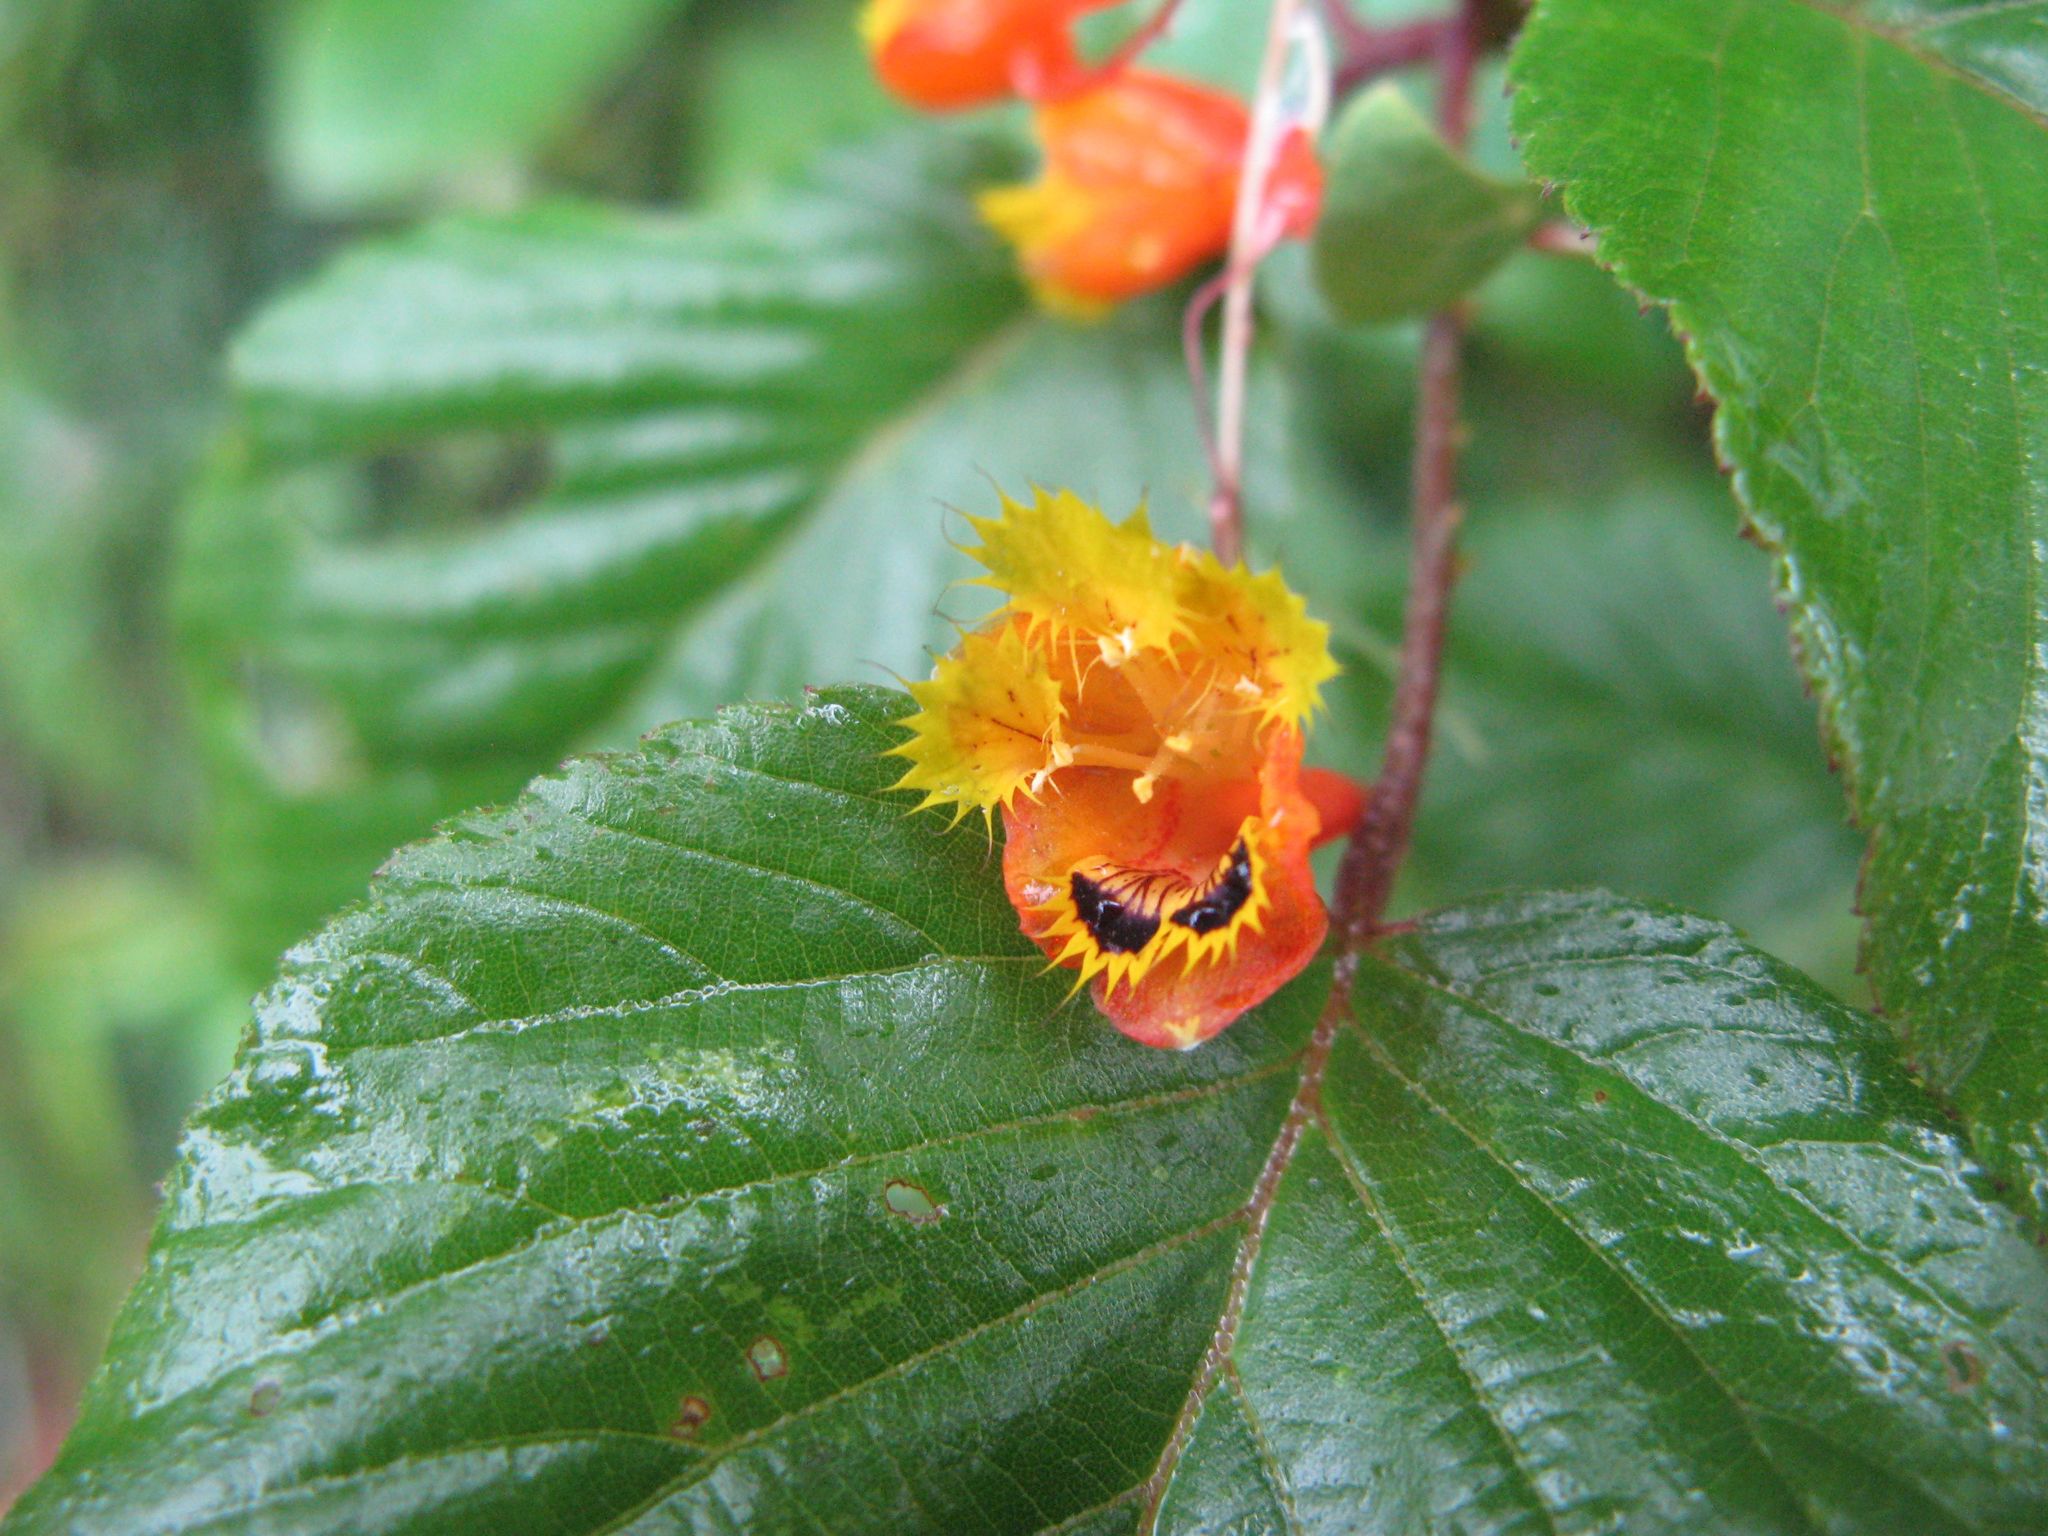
{"x": 250, "y": 640}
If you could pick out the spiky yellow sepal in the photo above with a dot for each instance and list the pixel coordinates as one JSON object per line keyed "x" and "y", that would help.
{"x": 1259, "y": 632}
{"x": 1070, "y": 572}
{"x": 987, "y": 727}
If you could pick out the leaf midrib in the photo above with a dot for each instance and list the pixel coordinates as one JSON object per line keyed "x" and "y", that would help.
{"x": 682, "y": 997}
{"x": 2034, "y": 664}
{"x": 1354, "y": 1176}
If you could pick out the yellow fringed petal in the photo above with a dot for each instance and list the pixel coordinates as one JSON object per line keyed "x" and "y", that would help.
{"x": 1069, "y": 570}
{"x": 1173, "y": 944}
{"x": 1266, "y": 648}
{"x": 987, "y": 727}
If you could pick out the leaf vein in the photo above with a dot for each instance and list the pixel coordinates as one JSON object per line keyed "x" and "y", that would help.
{"x": 1354, "y": 1175}
{"x": 909, "y": 1363}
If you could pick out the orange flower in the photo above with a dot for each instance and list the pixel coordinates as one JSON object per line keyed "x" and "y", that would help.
{"x": 943, "y": 55}
{"x": 1136, "y": 712}
{"x": 1139, "y": 187}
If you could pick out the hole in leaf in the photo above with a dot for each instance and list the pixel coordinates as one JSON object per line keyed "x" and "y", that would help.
{"x": 692, "y": 1414}
{"x": 911, "y": 1202}
{"x": 463, "y": 479}
{"x": 1965, "y": 1370}
{"x": 766, "y": 1357}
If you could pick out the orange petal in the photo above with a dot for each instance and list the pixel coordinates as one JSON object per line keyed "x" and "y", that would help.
{"x": 1294, "y": 190}
{"x": 947, "y": 55}
{"x": 1139, "y": 182}
{"x": 1139, "y": 188}
{"x": 1184, "y": 910}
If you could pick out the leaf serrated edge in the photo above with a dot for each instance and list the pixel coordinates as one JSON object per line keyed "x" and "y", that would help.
{"x": 1810, "y": 631}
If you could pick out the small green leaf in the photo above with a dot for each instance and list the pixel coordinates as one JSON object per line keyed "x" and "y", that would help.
{"x": 1409, "y": 225}
{"x": 377, "y": 98}
{"x": 1846, "y": 207}
{"x": 697, "y": 1145}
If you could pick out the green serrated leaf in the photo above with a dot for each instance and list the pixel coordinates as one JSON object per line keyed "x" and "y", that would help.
{"x": 376, "y": 100}
{"x": 1409, "y": 225}
{"x": 1846, "y": 208}
{"x": 696, "y": 1144}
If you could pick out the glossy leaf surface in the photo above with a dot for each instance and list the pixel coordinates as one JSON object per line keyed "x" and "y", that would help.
{"x": 1846, "y": 207}
{"x": 1408, "y": 224}
{"x": 696, "y": 1145}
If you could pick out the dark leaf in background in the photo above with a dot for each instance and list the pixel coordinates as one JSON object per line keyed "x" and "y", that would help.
{"x": 1620, "y": 709}
{"x": 697, "y": 1144}
{"x": 1870, "y": 309}
{"x": 378, "y": 101}
{"x": 689, "y": 391}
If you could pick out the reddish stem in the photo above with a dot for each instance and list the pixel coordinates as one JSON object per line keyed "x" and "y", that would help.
{"x": 1457, "y": 53}
{"x": 1367, "y": 874}
{"x": 53, "y": 1404}
{"x": 1128, "y": 50}
{"x": 1250, "y": 242}
{"x": 1369, "y": 52}
{"x": 1379, "y": 843}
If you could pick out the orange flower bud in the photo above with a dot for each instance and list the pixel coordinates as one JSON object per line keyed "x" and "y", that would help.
{"x": 1136, "y": 711}
{"x": 1139, "y": 188}
{"x": 943, "y": 55}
